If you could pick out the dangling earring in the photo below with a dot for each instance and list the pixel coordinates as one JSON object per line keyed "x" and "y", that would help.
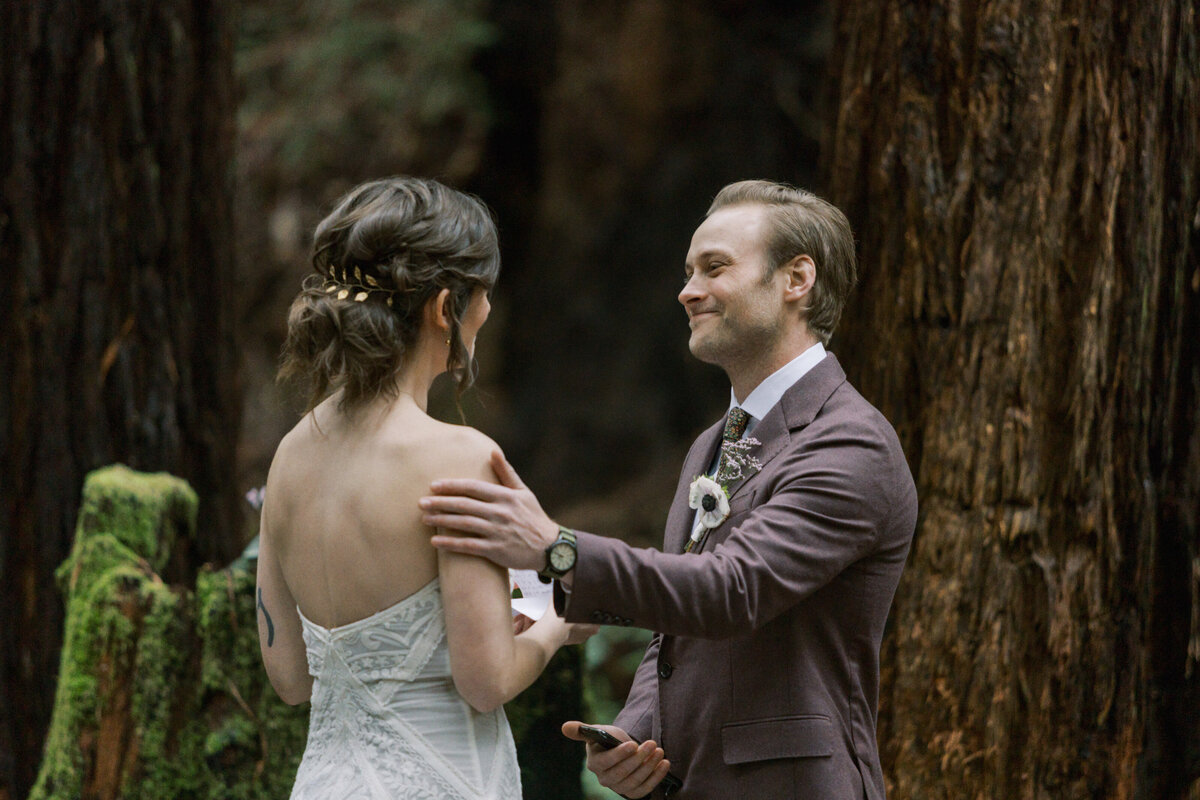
{"x": 447, "y": 341}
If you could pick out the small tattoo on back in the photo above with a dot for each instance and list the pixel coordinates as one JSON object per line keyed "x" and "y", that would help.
{"x": 267, "y": 617}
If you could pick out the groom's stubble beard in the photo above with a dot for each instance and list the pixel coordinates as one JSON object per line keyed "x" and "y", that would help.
{"x": 734, "y": 341}
{"x": 737, "y": 346}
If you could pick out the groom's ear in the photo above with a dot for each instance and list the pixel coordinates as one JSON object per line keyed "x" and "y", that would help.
{"x": 801, "y": 274}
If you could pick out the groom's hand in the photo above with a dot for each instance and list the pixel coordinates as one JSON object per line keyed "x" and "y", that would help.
{"x": 629, "y": 769}
{"x": 503, "y": 523}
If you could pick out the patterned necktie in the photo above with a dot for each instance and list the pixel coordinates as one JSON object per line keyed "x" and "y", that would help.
{"x": 735, "y": 426}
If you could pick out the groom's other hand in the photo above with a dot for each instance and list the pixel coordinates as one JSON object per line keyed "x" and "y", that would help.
{"x": 502, "y": 522}
{"x": 629, "y": 769}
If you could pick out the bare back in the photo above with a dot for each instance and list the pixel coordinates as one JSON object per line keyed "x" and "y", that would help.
{"x": 343, "y": 498}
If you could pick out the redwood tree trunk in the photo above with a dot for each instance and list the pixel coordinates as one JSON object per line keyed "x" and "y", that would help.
{"x": 1025, "y": 180}
{"x": 115, "y": 232}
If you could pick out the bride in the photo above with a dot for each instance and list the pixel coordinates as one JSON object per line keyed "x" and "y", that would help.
{"x": 408, "y": 654}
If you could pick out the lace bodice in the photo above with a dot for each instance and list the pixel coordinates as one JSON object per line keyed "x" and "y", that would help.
{"x": 386, "y": 720}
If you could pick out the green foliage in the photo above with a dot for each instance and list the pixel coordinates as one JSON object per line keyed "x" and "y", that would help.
{"x": 357, "y": 87}
{"x": 558, "y": 683}
{"x": 254, "y": 740}
{"x": 610, "y": 659}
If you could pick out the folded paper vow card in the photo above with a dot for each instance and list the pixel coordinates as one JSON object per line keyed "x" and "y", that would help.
{"x": 530, "y": 596}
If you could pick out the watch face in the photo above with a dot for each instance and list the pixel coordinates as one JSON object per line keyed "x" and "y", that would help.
{"x": 562, "y": 556}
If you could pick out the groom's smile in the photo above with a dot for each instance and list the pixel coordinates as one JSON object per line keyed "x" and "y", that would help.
{"x": 694, "y": 316}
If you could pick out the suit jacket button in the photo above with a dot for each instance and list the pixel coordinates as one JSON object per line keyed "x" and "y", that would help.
{"x": 665, "y": 669}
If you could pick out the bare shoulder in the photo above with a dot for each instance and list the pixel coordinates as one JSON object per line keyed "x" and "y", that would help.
{"x": 294, "y": 440}
{"x": 466, "y": 439}
{"x": 461, "y": 451}
{"x": 294, "y": 448}
{"x": 290, "y": 448}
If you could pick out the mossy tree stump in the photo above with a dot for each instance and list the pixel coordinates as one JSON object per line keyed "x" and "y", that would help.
{"x": 161, "y": 691}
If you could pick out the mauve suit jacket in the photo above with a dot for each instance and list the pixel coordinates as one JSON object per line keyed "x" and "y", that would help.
{"x": 762, "y": 681}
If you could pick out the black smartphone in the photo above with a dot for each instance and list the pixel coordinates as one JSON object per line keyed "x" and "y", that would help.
{"x": 670, "y": 784}
{"x": 598, "y": 736}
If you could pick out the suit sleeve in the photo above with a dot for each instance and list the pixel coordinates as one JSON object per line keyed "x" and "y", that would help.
{"x": 819, "y": 511}
{"x": 637, "y": 717}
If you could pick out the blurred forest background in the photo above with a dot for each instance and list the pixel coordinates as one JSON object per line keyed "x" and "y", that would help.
{"x": 1024, "y": 180}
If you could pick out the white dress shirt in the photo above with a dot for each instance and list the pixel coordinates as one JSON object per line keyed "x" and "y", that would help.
{"x": 766, "y": 395}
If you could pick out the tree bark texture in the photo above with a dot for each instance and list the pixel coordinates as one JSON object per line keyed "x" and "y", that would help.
{"x": 116, "y": 134}
{"x": 1024, "y": 178}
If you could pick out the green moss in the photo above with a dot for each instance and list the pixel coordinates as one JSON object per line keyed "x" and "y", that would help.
{"x": 205, "y": 722}
{"x": 228, "y": 629}
{"x": 167, "y": 750}
{"x": 147, "y": 513}
{"x": 100, "y": 571}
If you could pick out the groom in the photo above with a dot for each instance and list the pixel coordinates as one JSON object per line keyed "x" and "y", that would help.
{"x": 770, "y": 595}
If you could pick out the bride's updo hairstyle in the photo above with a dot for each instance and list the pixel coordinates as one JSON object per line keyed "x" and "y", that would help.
{"x": 386, "y": 249}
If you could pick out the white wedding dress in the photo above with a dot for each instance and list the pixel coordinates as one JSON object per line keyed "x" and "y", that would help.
{"x": 386, "y": 721}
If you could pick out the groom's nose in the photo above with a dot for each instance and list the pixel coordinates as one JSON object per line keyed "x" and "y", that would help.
{"x": 691, "y": 292}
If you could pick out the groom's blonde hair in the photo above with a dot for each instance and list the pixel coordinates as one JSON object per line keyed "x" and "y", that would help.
{"x": 803, "y": 224}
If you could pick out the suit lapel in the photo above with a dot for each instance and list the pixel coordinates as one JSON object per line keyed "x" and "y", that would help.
{"x": 797, "y": 408}
{"x": 801, "y": 403}
{"x": 679, "y": 520}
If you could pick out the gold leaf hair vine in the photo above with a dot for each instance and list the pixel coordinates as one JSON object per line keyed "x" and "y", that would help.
{"x": 357, "y": 287}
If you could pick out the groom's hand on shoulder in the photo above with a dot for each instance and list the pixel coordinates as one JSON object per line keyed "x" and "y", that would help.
{"x": 502, "y": 522}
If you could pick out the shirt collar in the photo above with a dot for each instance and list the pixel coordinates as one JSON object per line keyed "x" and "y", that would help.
{"x": 764, "y": 396}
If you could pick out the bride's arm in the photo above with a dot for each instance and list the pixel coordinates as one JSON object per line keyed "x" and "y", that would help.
{"x": 490, "y": 665}
{"x": 280, "y": 636}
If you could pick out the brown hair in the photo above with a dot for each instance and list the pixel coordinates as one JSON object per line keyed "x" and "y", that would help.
{"x": 402, "y": 240}
{"x": 803, "y": 224}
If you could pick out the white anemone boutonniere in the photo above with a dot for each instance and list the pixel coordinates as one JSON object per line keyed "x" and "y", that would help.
{"x": 710, "y": 496}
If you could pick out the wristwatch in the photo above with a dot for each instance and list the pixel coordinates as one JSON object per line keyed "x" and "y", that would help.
{"x": 560, "y": 556}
